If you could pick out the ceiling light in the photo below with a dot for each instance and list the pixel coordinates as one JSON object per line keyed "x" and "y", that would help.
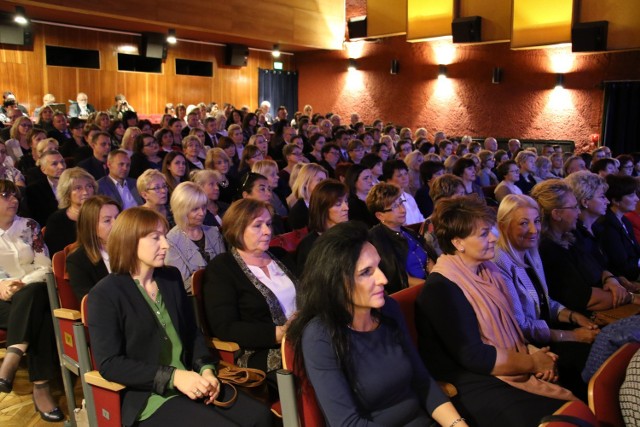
{"x": 171, "y": 36}
{"x": 21, "y": 16}
{"x": 276, "y": 51}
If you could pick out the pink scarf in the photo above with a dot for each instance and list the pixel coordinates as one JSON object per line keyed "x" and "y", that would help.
{"x": 487, "y": 295}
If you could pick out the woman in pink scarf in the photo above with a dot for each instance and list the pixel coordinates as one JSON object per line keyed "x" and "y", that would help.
{"x": 468, "y": 335}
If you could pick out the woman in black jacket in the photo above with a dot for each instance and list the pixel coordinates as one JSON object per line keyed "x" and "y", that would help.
{"x": 144, "y": 335}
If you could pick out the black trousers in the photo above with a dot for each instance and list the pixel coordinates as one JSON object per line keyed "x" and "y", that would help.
{"x": 184, "y": 412}
{"x": 27, "y": 318}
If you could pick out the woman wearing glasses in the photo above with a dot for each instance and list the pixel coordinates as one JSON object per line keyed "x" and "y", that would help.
{"x": 146, "y": 155}
{"x": 575, "y": 278}
{"x": 405, "y": 260}
{"x": 153, "y": 188}
{"x": 18, "y": 145}
{"x": 510, "y": 173}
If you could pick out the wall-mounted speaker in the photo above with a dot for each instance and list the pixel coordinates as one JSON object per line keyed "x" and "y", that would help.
{"x": 467, "y": 30}
{"x": 589, "y": 36}
{"x": 395, "y": 66}
{"x": 357, "y": 28}
{"x": 236, "y": 55}
{"x": 154, "y": 45}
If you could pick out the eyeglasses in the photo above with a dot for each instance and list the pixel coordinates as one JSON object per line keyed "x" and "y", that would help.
{"x": 158, "y": 189}
{"x": 576, "y": 207}
{"x": 26, "y": 125}
{"x": 8, "y": 194}
{"x": 150, "y": 144}
{"x": 395, "y": 205}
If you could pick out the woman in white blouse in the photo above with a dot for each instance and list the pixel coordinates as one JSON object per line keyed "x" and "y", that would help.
{"x": 192, "y": 244}
{"x": 24, "y": 304}
{"x": 249, "y": 295}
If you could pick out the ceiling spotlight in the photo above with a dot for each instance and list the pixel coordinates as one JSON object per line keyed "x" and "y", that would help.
{"x": 559, "y": 81}
{"x": 171, "y": 36}
{"x": 21, "y": 16}
{"x": 442, "y": 71}
{"x": 276, "y": 51}
{"x": 352, "y": 65}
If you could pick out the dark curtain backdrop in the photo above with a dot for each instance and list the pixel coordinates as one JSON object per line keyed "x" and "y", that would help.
{"x": 279, "y": 88}
{"x": 621, "y": 116}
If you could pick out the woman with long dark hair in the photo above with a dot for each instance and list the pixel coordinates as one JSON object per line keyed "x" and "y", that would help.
{"x": 354, "y": 343}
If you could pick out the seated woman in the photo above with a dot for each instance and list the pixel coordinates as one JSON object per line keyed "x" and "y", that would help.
{"x": 74, "y": 187}
{"x": 191, "y": 147}
{"x": 262, "y": 144}
{"x": 18, "y": 145}
{"x": 129, "y": 138}
{"x": 146, "y": 155}
{"x": 249, "y": 295}
{"x": 575, "y": 278}
{"x": 615, "y": 234}
{"x": 328, "y": 206}
{"x": 193, "y": 244}
{"x": 396, "y": 172}
{"x": 543, "y": 321}
{"x": 208, "y": 180}
{"x": 292, "y": 155}
{"x": 466, "y": 169}
{"x": 250, "y": 155}
{"x": 116, "y": 130}
{"x": 269, "y": 169}
{"x": 413, "y": 160}
{"x": 347, "y": 329}
{"x": 405, "y": 260}
{"x": 467, "y": 332}
{"x": 24, "y": 304}
{"x": 429, "y": 171}
{"x": 486, "y": 177}
{"x": 308, "y": 177}
{"x": 89, "y": 262}
{"x": 7, "y": 172}
{"x": 175, "y": 169}
{"x": 164, "y": 137}
{"x": 144, "y": 335}
{"x": 219, "y": 161}
{"x": 27, "y": 164}
{"x": 256, "y": 186}
{"x": 510, "y": 173}
{"x": 359, "y": 180}
{"x": 45, "y": 118}
{"x": 152, "y": 187}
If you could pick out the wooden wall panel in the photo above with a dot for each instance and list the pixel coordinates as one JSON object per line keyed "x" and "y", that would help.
{"x": 623, "y": 16}
{"x": 271, "y": 22}
{"x": 539, "y": 23}
{"x": 25, "y": 73}
{"x": 496, "y": 17}
{"x": 385, "y": 18}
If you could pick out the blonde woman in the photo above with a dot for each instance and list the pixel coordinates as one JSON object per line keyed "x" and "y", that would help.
{"x": 191, "y": 243}
{"x": 191, "y": 147}
{"x": 153, "y": 188}
{"x": 74, "y": 187}
{"x": 18, "y": 145}
{"x": 219, "y": 161}
{"x": 413, "y": 161}
{"x": 128, "y": 138}
{"x": 309, "y": 176}
{"x": 209, "y": 180}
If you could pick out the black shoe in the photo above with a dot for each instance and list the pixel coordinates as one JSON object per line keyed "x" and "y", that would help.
{"x": 5, "y": 385}
{"x": 53, "y": 416}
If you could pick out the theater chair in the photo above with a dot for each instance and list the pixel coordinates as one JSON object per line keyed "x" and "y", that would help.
{"x": 226, "y": 349}
{"x": 604, "y": 386}
{"x": 289, "y": 241}
{"x": 571, "y": 414}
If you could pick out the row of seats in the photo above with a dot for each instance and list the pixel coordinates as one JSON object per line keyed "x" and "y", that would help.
{"x": 297, "y": 405}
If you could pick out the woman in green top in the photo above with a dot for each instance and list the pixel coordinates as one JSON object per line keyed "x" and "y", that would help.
{"x": 144, "y": 335}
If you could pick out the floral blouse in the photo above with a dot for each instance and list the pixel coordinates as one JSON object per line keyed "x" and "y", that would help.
{"x": 23, "y": 254}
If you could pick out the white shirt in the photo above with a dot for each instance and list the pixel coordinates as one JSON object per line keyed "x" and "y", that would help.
{"x": 20, "y": 255}
{"x": 125, "y": 194}
{"x": 414, "y": 215}
{"x": 280, "y": 284}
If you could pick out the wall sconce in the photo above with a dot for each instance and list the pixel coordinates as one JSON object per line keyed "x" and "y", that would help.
{"x": 352, "y": 65}
{"x": 171, "y": 36}
{"x": 276, "y": 51}
{"x": 395, "y": 66}
{"x": 442, "y": 71}
{"x": 559, "y": 81}
{"x": 21, "y": 16}
{"x": 496, "y": 78}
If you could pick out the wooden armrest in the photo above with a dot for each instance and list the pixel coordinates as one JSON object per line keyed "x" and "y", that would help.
{"x": 225, "y": 345}
{"x": 66, "y": 313}
{"x": 449, "y": 389}
{"x": 94, "y": 378}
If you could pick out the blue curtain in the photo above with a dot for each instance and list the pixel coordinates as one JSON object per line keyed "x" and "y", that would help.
{"x": 621, "y": 116}
{"x": 279, "y": 88}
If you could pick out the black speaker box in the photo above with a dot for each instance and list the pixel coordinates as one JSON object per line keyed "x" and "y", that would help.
{"x": 395, "y": 66}
{"x": 589, "y": 36}
{"x": 466, "y": 30}
{"x": 357, "y": 28}
{"x": 154, "y": 45}
{"x": 236, "y": 55}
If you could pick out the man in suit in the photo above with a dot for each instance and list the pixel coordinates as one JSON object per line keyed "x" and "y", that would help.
{"x": 60, "y": 131}
{"x": 210, "y": 132}
{"x": 96, "y": 165}
{"x": 193, "y": 120}
{"x": 41, "y": 195}
{"x": 81, "y": 108}
{"x": 117, "y": 184}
